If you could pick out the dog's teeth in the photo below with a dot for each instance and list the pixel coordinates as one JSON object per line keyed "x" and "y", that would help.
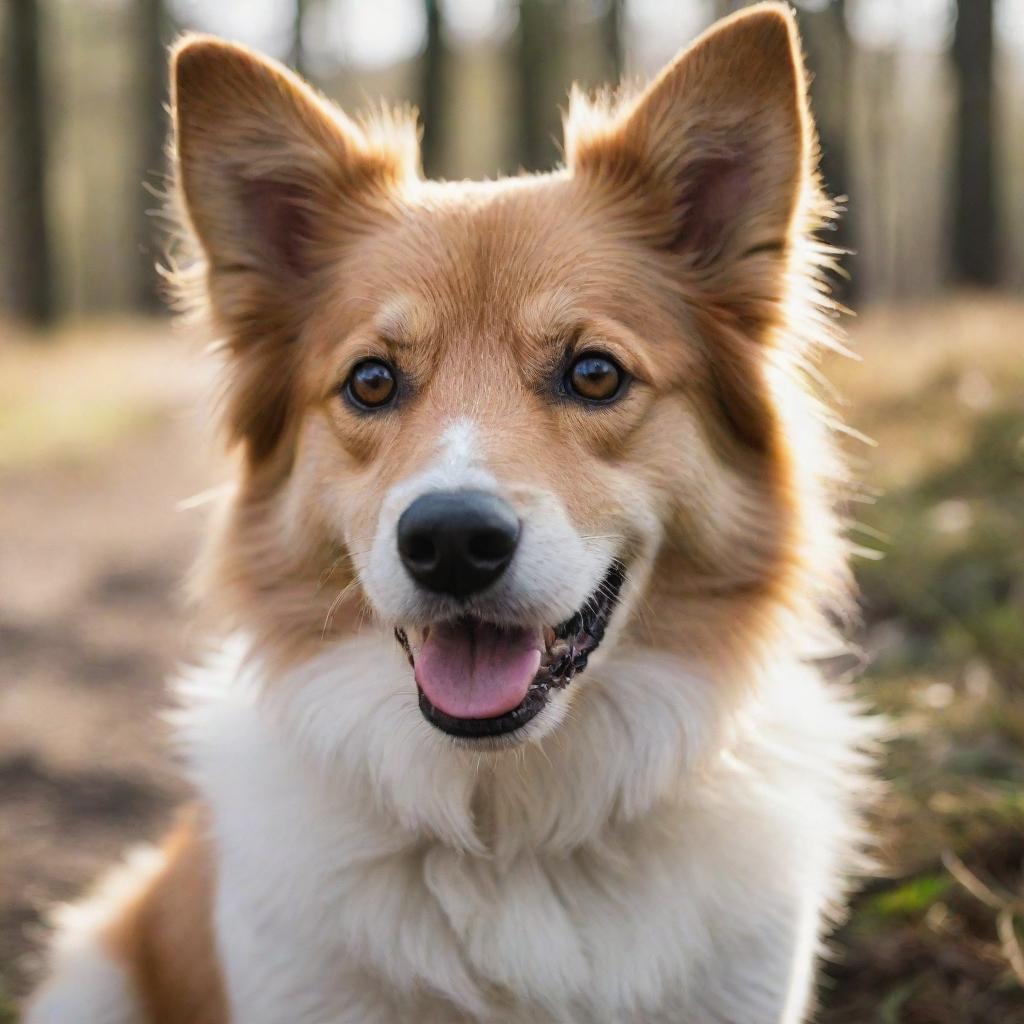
{"x": 403, "y": 639}
{"x": 559, "y": 649}
{"x": 567, "y": 647}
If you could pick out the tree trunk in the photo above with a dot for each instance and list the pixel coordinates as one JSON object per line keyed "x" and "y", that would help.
{"x": 27, "y": 217}
{"x": 297, "y": 57}
{"x": 539, "y": 66}
{"x": 153, "y": 35}
{"x": 975, "y": 241}
{"x": 612, "y": 28}
{"x": 828, "y": 47}
{"x": 432, "y": 92}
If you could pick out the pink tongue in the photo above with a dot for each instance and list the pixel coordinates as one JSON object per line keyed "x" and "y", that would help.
{"x": 475, "y": 670}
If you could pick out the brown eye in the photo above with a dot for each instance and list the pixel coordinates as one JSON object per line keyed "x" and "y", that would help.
{"x": 594, "y": 378}
{"x": 371, "y": 384}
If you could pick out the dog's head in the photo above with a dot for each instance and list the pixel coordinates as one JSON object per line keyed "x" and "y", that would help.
{"x": 511, "y": 422}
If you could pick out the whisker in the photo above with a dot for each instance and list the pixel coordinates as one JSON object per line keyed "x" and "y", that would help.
{"x": 335, "y": 604}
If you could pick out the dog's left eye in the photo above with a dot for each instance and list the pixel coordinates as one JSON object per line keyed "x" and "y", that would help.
{"x": 594, "y": 378}
{"x": 371, "y": 384}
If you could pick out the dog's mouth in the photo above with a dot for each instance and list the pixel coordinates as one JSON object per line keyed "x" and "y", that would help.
{"x": 478, "y": 679}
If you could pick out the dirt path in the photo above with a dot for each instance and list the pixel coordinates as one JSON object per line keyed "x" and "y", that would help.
{"x": 92, "y": 621}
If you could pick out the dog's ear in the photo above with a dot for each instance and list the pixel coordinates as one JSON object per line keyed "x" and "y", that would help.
{"x": 274, "y": 182}
{"x": 267, "y": 168}
{"x": 710, "y": 160}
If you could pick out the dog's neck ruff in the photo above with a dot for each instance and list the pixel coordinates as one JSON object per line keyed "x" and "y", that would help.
{"x": 640, "y": 730}
{"x": 350, "y": 715}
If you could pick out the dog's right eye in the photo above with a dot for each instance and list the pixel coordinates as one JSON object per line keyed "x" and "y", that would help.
{"x": 371, "y": 384}
{"x": 594, "y": 377}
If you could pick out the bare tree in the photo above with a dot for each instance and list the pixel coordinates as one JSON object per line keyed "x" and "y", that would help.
{"x": 153, "y": 34}
{"x": 539, "y": 52}
{"x": 612, "y": 30}
{"x": 975, "y": 230}
{"x": 27, "y": 219}
{"x": 297, "y": 57}
{"x": 828, "y": 46}
{"x": 432, "y": 90}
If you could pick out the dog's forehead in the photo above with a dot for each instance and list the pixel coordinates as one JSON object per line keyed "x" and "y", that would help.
{"x": 516, "y": 271}
{"x": 472, "y": 254}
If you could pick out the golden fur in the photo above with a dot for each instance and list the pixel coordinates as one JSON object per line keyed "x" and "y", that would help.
{"x": 750, "y": 318}
{"x": 165, "y": 933}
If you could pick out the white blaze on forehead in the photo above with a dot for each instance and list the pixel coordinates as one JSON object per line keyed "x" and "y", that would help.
{"x": 459, "y": 444}
{"x": 455, "y": 463}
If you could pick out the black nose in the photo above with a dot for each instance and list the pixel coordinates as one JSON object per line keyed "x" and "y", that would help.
{"x": 457, "y": 542}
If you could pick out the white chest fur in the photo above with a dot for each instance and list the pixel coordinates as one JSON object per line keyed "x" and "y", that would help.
{"x": 647, "y": 863}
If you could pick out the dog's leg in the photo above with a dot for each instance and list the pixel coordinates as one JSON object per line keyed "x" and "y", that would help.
{"x": 90, "y": 979}
{"x": 141, "y": 949}
{"x": 89, "y": 986}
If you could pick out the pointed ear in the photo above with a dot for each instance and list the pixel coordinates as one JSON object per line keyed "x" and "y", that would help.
{"x": 710, "y": 160}
{"x": 269, "y": 171}
{"x": 274, "y": 183}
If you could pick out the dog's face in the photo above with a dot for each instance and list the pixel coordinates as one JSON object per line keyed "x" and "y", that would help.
{"x": 516, "y": 421}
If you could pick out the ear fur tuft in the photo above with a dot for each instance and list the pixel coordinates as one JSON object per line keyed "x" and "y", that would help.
{"x": 711, "y": 158}
{"x": 258, "y": 151}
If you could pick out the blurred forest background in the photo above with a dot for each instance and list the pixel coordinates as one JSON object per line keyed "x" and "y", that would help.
{"x": 920, "y": 105}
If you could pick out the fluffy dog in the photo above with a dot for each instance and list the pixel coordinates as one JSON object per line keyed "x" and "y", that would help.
{"x": 528, "y": 557}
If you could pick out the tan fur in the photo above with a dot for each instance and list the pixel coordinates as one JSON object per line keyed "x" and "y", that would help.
{"x": 726, "y": 333}
{"x": 164, "y": 936}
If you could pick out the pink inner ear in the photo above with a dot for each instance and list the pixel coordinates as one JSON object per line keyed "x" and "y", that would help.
{"x": 279, "y": 217}
{"x": 712, "y": 195}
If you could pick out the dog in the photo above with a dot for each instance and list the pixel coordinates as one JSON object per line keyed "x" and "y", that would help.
{"x": 531, "y": 555}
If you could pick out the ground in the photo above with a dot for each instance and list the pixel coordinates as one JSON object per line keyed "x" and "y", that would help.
{"x": 102, "y": 474}
{"x": 97, "y": 450}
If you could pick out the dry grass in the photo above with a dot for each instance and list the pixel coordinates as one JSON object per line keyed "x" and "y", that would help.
{"x": 71, "y": 396}
{"x": 923, "y": 376}
{"x": 941, "y": 391}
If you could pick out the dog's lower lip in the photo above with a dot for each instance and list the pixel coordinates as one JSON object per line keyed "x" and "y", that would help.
{"x": 568, "y": 647}
{"x": 478, "y": 728}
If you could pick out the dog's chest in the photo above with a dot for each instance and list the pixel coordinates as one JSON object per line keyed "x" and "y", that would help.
{"x": 433, "y": 930}
{"x": 361, "y": 907}
{"x": 332, "y": 907}
{"x": 424, "y": 932}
